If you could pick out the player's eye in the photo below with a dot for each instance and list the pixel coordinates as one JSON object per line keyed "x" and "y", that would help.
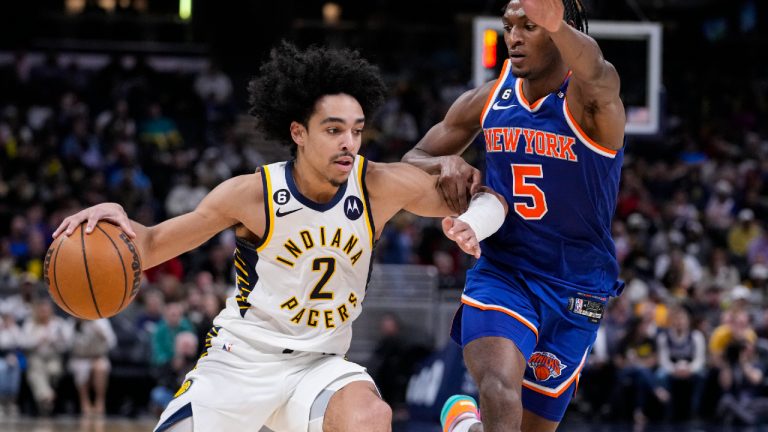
{"x": 357, "y": 131}
{"x": 530, "y": 26}
{"x": 333, "y": 131}
{"x": 507, "y": 29}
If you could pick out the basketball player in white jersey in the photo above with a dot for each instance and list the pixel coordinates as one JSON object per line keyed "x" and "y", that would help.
{"x": 305, "y": 233}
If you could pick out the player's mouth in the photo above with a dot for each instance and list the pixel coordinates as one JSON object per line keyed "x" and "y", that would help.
{"x": 516, "y": 57}
{"x": 344, "y": 164}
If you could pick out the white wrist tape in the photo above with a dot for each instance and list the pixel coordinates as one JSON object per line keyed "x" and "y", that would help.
{"x": 485, "y": 215}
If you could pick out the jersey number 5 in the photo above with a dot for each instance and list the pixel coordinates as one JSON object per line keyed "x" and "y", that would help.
{"x": 330, "y": 268}
{"x": 521, "y": 188}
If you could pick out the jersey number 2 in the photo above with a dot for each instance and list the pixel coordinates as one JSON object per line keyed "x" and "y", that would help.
{"x": 521, "y": 188}
{"x": 330, "y": 268}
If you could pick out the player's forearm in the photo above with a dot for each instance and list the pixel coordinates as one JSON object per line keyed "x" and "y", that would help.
{"x": 432, "y": 164}
{"x": 580, "y": 52}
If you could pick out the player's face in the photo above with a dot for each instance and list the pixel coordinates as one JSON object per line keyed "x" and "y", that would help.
{"x": 531, "y": 50}
{"x": 333, "y": 137}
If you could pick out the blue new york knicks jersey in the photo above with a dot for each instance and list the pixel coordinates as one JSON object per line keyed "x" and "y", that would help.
{"x": 560, "y": 185}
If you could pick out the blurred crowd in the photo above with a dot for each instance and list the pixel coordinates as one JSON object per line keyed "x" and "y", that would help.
{"x": 688, "y": 338}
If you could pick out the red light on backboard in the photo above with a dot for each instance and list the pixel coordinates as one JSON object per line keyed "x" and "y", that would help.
{"x": 490, "y": 39}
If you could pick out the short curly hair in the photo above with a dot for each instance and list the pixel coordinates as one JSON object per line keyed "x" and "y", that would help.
{"x": 292, "y": 81}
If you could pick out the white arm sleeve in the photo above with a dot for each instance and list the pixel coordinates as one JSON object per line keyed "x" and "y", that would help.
{"x": 485, "y": 215}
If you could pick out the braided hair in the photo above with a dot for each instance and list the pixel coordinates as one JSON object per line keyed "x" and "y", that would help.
{"x": 575, "y": 14}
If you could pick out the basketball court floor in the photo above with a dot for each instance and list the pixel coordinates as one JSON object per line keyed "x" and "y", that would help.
{"x": 126, "y": 425}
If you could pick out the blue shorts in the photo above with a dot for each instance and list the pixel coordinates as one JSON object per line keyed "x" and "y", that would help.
{"x": 553, "y": 324}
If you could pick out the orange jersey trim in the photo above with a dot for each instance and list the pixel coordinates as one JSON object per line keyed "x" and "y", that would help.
{"x": 475, "y": 304}
{"x": 581, "y": 133}
{"x": 562, "y": 387}
{"x": 524, "y": 100}
{"x": 492, "y": 95}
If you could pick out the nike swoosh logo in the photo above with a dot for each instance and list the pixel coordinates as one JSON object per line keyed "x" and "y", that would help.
{"x": 280, "y": 213}
{"x": 497, "y": 107}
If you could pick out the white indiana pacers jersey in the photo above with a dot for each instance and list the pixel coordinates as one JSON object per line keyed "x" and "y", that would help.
{"x": 303, "y": 285}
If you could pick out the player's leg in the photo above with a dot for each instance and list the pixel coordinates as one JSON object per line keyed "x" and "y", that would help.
{"x": 497, "y": 326}
{"x": 334, "y": 395}
{"x": 497, "y": 365}
{"x": 568, "y": 328}
{"x": 356, "y": 407}
{"x": 535, "y": 423}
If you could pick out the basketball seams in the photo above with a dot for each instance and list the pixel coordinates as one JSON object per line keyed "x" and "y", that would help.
{"x": 122, "y": 263}
{"x": 88, "y": 273}
{"x": 56, "y": 281}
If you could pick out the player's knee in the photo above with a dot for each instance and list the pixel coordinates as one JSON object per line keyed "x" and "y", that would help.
{"x": 376, "y": 417}
{"x": 499, "y": 389}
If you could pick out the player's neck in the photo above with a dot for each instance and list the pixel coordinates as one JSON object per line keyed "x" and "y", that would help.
{"x": 537, "y": 87}
{"x": 311, "y": 183}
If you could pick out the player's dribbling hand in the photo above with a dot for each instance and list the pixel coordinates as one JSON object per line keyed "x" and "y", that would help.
{"x": 545, "y": 13}
{"x": 460, "y": 232}
{"x": 110, "y": 212}
{"x": 458, "y": 181}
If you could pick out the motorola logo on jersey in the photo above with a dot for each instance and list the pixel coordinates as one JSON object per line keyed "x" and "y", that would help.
{"x": 353, "y": 208}
{"x": 281, "y": 196}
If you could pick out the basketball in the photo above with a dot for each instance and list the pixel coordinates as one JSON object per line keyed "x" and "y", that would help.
{"x": 94, "y": 275}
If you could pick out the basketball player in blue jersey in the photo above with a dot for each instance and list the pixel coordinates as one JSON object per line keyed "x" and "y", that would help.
{"x": 305, "y": 233}
{"x": 553, "y": 124}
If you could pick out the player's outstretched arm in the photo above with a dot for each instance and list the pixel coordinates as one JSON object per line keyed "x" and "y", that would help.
{"x": 440, "y": 149}
{"x": 399, "y": 186}
{"x": 593, "y": 93}
{"x": 222, "y": 208}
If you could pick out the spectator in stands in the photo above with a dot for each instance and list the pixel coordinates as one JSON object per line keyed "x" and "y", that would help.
{"x": 46, "y": 338}
{"x": 10, "y": 369}
{"x": 213, "y": 85}
{"x": 719, "y": 272}
{"x": 720, "y": 209}
{"x": 757, "y": 251}
{"x": 173, "y": 323}
{"x": 20, "y": 305}
{"x": 636, "y": 361}
{"x": 682, "y": 354}
{"x": 152, "y": 311}
{"x": 740, "y": 377}
{"x": 742, "y": 234}
{"x": 736, "y": 328}
{"x": 89, "y": 363}
{"x": 185, "y": 195}
{"x": 170, "y": 375}
{"x": 158, "y": 131}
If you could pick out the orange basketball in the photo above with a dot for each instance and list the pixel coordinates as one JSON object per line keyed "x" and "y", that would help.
{"x": 94, "y": 275}
{"x": 542, "y": 373}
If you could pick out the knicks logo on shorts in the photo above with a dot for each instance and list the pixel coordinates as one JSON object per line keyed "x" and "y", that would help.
{"x": 545, "y": 365}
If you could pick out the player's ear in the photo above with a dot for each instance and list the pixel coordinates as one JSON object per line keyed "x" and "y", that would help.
{"x": 298, "y": 133}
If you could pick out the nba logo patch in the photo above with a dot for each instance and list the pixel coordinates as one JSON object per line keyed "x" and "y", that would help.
{"x": 545, "y": 365}
{"x": 353, "y": 208}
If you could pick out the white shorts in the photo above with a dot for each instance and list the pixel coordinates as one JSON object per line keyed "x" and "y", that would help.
{"x": 239, "y": 388}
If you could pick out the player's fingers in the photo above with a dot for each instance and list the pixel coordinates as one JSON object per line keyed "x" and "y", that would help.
{"x": 128, "y": 228}
{"x": 461, "y": 196}
{"x": 124, "y": 223}
{"x": 476, "y": 179}
{"x": 92, "y": 221}
{"x": 447, "y": 187}
{"x": 62, "y": 226}
{"x": 448, "y": 223}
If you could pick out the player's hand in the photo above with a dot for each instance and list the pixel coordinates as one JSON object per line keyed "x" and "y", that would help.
{"x": 110, "y": 212}
{"x": 460, "y": 232}
{"x": 545, "y": 13}
{"x": 458, "y": 181}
